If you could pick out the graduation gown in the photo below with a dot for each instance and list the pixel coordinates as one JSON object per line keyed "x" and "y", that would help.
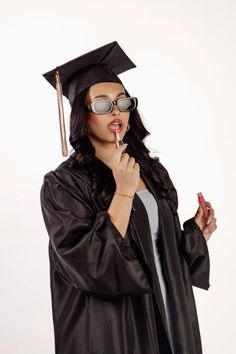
{"x": 105, "y": 292}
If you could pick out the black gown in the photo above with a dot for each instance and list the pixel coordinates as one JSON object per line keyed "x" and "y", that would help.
{"x": 106, "y": 296}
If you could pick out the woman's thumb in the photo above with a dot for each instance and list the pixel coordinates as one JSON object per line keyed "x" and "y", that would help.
{"x": 199, "y": 213}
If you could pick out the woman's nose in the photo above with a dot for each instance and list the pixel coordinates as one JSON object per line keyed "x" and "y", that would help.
{"x": 115, "y": 109}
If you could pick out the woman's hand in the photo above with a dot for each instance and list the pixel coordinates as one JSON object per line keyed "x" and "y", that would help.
{"x": 209, "y": 225}
{"x": 126, "y": 171}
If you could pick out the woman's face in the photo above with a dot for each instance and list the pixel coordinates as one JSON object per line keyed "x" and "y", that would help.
{"x": 99, "y": 127}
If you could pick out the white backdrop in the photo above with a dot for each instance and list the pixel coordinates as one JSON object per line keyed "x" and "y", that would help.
{"x": 185, "y": 52}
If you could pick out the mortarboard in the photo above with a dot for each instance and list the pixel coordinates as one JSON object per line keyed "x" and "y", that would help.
{"x": 99, "y": 65}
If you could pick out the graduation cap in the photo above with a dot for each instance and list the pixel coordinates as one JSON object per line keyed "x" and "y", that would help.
{"x": 70, "y": 79}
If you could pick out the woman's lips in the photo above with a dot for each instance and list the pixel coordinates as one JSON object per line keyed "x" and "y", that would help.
{"x": 115, "y": 127}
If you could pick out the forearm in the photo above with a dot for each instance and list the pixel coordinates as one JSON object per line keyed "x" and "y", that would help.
{"x": 119, "y": 211}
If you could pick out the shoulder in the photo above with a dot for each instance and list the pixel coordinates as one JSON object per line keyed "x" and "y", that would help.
{"x": 162, "y": 168}
{"x": 66, "y": 188}
{"x": 66, "y": 175}
{"x": 168, "y": 180}
{"x": 165, "y": 174}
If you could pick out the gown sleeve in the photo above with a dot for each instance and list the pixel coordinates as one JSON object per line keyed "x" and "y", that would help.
{"x": 91, "y": 253}
{"x": 193, "y": 243}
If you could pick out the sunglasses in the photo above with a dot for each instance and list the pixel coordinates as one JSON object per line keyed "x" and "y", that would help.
{"x": 126, "y": 104}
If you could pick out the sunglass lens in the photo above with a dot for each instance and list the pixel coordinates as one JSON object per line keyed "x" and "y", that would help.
{"x": 102, "y": 107}
{"x": 126, "y": 104}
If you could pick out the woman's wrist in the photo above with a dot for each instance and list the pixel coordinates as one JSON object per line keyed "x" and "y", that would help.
{"x": 124, "y": 195}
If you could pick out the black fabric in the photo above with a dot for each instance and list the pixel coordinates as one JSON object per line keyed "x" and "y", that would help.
{"x": 99, "y": 65}
{"x": 106, "y": 295}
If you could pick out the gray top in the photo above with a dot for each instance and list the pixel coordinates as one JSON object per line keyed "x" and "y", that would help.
{"x": 152, "y": 210}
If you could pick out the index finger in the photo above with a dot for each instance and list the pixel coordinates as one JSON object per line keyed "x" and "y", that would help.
{"x": 118, "y": 153}
{"x": 211, "y": 211}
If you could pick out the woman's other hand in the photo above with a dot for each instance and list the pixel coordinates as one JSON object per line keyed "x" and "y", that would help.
{"x": 209, "y": 225}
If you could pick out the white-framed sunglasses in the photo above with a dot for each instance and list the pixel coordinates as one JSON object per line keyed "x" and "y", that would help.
{"x": 126, "y": 104}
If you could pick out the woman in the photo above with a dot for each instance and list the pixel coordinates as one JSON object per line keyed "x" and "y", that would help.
{"x": 121, "y": 268}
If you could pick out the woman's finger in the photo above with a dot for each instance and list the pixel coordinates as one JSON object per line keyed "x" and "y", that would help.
{"x": 208, "y": 204}
{"x": 131, "y": 162}
{"x": 118, "y": 153}
{"x": 210, "y": 228}
{"x": 124, "y": 159}
{"x": 211, "y": 215}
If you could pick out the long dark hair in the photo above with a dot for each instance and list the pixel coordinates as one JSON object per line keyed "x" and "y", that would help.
{"x": 83, "y": 157}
